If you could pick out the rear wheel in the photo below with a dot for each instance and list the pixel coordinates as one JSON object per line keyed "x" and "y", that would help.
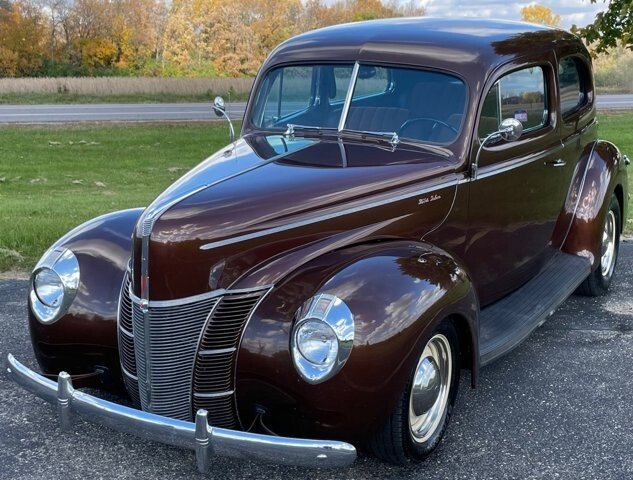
{"x": 597, "y": 283}
{"x": 421, "y": 416}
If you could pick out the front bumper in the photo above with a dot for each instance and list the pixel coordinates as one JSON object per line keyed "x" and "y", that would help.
{"x": 204, "y": 439}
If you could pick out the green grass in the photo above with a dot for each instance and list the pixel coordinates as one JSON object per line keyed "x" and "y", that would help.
{"x": 53, "y": 178}
{"x": 72, "y": 98}
{"x": 618, "y": 128}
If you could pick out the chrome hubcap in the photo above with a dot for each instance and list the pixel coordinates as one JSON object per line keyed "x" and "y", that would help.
{"x": 431, "y": 384}
{"x": 607, "y": 262}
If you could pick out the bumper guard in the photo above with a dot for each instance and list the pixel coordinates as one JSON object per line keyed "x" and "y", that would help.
{"x": 204, "y": 439}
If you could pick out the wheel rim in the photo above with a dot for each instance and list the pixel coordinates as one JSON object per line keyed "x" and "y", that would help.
{"x": 429, "y": 392}
{"x": 607, "y": 262}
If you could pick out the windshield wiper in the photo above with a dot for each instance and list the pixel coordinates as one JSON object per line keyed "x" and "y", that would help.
{"x": 292, "y": 129}
{"x": 391, "y": 137}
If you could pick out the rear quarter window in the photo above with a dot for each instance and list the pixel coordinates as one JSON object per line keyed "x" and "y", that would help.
{"x": 571, "y": 84}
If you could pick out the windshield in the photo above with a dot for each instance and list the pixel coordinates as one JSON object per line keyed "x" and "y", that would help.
{"x": 418, "y": 105}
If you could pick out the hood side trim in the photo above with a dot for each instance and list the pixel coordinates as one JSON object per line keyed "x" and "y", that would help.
{"x": 320, "y": 218}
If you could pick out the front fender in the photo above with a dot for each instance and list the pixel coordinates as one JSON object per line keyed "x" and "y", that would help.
{"x": 398, "y": 292}
{"x": 85, "y": 337}
{"x": 605, "y": 172}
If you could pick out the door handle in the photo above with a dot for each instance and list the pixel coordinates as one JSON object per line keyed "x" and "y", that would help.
{"x": 559, "y": 162}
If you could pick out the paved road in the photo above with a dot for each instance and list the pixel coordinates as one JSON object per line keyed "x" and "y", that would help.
{"x": 560, "y": 406}
{"x": 169, "y": 111}
{"x": 114, "y": 112}
{"x": 606, "y": 102}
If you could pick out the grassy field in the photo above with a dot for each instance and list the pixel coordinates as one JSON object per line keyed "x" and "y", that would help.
{"x": 120, "y": 89}
{"x": 53, "y": 178}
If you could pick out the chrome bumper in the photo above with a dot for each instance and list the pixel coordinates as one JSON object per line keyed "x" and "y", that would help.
{"x": 205, "y": 440}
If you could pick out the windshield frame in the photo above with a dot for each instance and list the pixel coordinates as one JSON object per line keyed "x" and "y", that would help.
{"x": 248, "y": 126}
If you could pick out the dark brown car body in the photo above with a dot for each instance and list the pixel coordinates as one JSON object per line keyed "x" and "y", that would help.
{"x": 406, "y": 238}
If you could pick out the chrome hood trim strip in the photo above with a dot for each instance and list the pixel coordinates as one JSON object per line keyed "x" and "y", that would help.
{"x": 328, "y": 216}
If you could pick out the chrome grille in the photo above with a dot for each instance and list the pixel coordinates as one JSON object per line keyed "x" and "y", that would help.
{"x": 195, "y": 340}
{"x": 126, "y": 342}
{"x": 165, "y": 381}
{"x": 213, "y": 385}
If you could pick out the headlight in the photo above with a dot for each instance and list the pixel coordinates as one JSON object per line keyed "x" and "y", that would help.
{"x": 54, "y": 284}
{"x": 322, "y": 338}
{"x": 49, "y": 288}
{"x": 317, "y": 342}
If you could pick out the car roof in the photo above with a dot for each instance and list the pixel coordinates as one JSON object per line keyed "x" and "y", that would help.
{"x": 464, "y": 46}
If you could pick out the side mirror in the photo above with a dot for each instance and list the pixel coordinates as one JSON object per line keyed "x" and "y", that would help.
{"x": 510, "y": 130}
{"x": 220, "y": 110}
{"x": 218, "y": 106}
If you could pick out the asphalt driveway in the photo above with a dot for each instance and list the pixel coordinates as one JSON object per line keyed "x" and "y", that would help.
{"x": 560, "y": 406}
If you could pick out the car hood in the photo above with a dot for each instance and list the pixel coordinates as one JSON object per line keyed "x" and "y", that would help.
{"x": 266, "y": 195}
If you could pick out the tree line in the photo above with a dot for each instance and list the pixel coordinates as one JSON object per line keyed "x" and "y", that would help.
{"x": 163, "y": 37}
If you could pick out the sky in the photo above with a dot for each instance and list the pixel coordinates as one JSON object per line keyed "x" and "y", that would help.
{"x": 579, "y": 12}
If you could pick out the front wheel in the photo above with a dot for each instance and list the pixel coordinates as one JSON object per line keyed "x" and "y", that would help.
{"x": 597, "y": 283}
{"x": 421, "y": 416}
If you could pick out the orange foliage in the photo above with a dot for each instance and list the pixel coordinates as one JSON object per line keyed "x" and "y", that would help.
{"x": 540, "y": 14}
{"x": 21, "y": 40}
{"x": 169, "y": 37}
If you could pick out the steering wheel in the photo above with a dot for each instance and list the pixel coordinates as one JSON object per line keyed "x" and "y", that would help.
{"x": 434, "y": 121}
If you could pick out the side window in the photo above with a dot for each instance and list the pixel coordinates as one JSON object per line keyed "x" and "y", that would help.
{"x": 342, "y": 77}
{"x": 520, "y": 95}
{"x": 371, "y": 81}
{"x": 572, "y": 95}
{"x": 289, "y": 93}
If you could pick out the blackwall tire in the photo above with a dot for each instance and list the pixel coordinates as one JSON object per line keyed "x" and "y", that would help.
{"x": 409, "y": 435}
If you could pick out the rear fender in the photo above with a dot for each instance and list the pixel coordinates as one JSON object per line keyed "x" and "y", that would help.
{"x": 398, "y": 292}
{"x": 588, "y": 200}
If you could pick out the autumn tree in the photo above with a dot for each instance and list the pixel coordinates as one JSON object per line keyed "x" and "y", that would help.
{"x": 610, "y": 28}
{"x": 22, "y": 39}
{"x": 540, "y": 14}
{"x": 167, "y": 37}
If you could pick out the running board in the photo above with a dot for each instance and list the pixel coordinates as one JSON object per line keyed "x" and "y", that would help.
{"x": 506, "y": 323}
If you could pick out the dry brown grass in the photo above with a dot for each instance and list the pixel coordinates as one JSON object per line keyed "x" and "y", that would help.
{"x": 124, "y": 85}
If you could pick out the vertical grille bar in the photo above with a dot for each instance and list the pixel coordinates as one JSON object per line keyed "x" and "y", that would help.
{"x": 174, "y": 332}
{"x": 126, "y": 341}
{"x": 213, "y": 385}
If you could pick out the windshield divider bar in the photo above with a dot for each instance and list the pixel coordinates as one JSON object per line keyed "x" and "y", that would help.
{"x": 348, "y": 97}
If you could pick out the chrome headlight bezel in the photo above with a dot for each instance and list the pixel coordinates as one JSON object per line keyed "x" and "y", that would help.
{"x": 334, "y": 313}
{"x": 63, "y": 263}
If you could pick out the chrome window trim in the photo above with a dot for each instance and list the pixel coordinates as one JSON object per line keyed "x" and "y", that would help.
{"x": 348, "y": 97}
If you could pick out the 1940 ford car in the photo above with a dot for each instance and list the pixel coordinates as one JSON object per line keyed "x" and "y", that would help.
{"x": 407, "y": 198}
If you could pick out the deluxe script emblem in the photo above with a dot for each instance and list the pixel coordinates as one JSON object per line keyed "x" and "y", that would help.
{"x": 432, "y": 198}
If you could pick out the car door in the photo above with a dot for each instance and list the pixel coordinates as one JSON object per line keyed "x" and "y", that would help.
{"x": 518, "y": 191}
